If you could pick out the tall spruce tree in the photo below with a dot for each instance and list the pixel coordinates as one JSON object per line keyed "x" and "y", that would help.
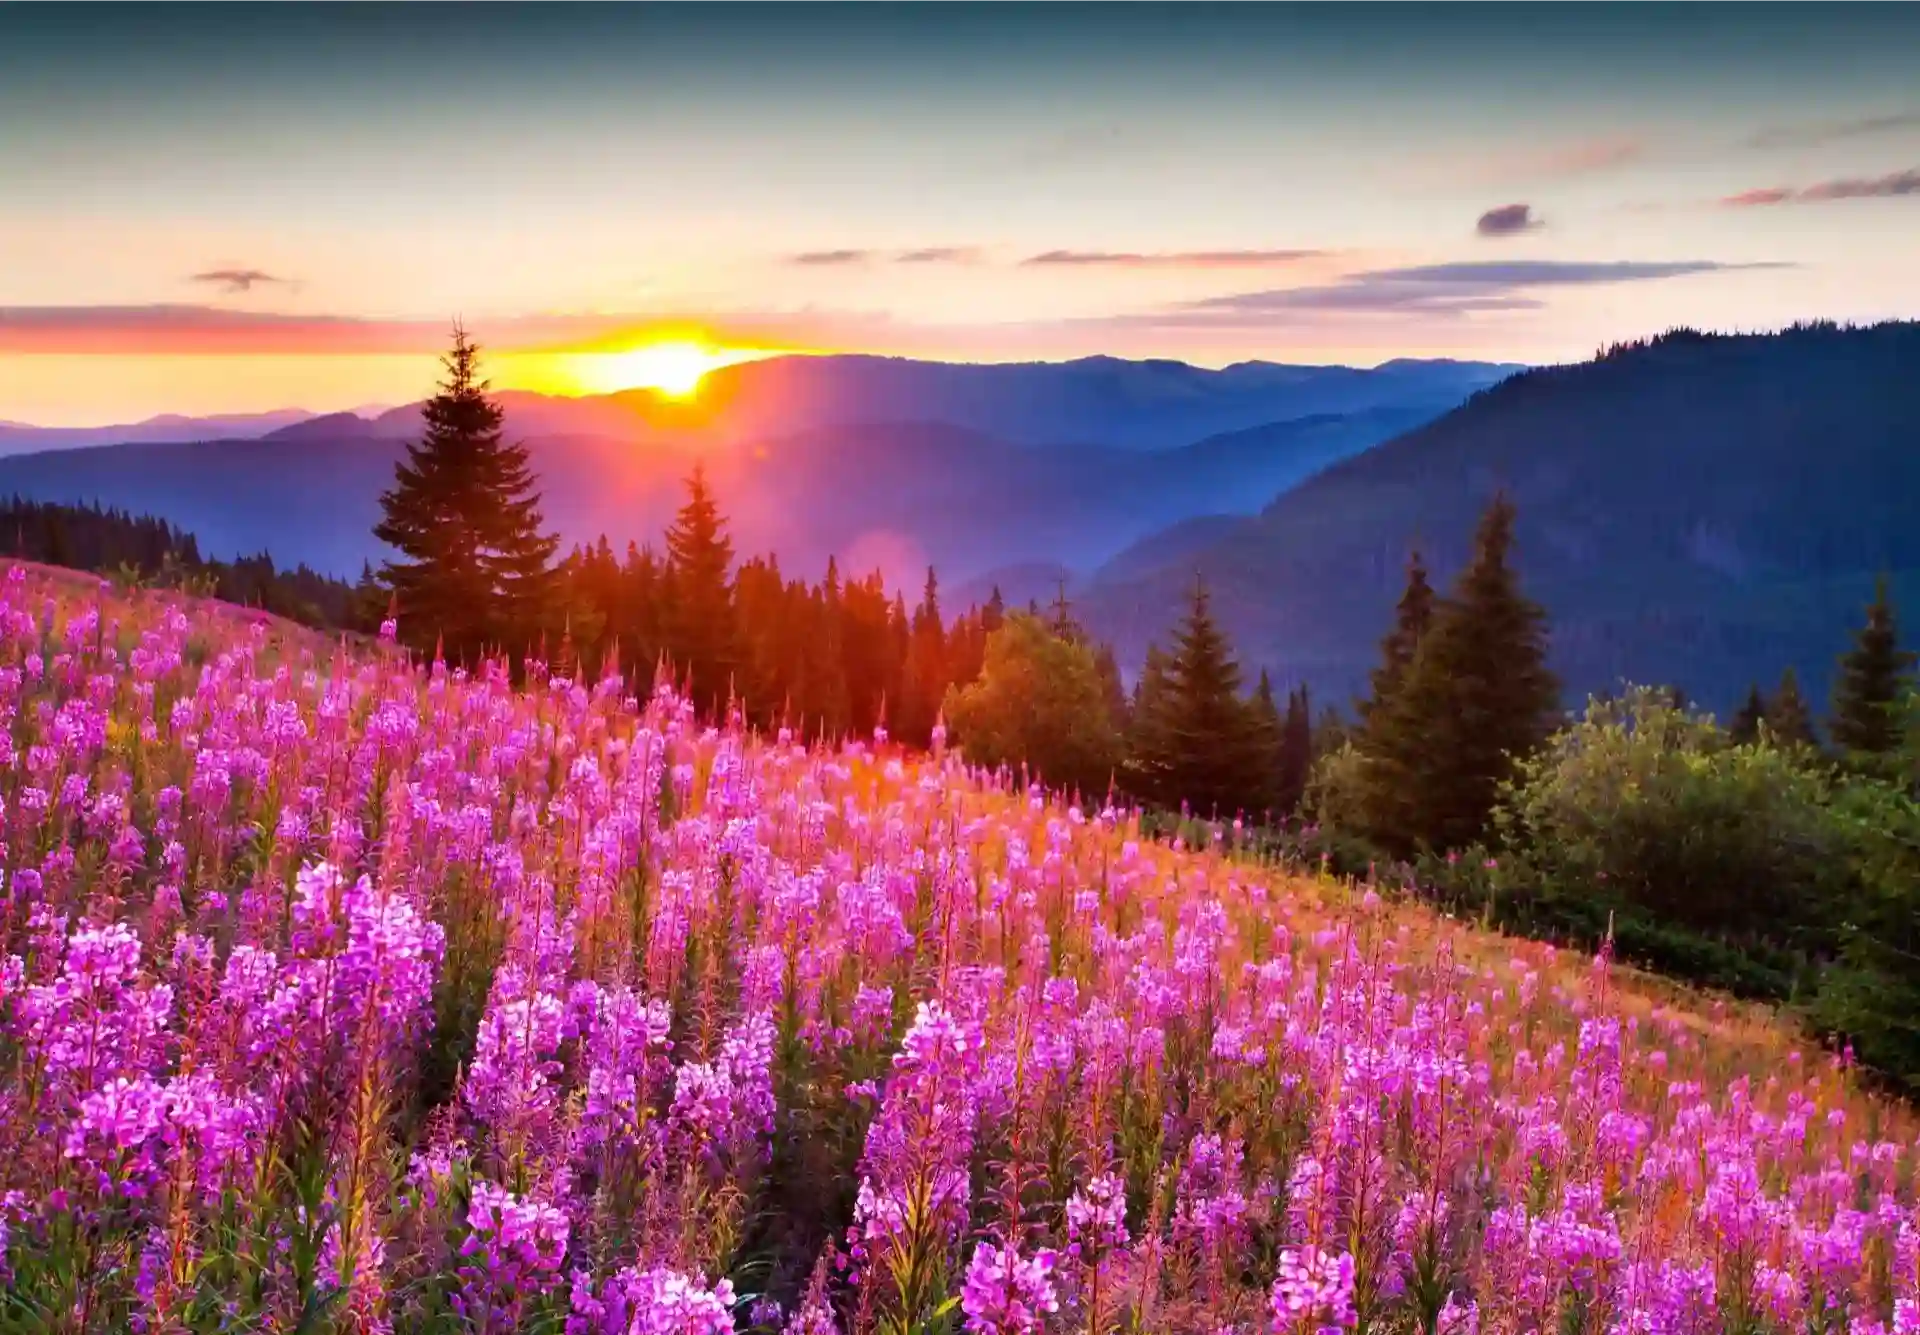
{"x": 1872, "y": 684}
{"x": 463, "y": 513}
{"x": 1296, "y": 752}
{"x": 1789, "y": 721}
{"x": 1412, "y": 616}
{"x": 1476, "y": 698}
{"x": 1147, "y": 759}
{"x": 1209, "y": 755}
{"x": 1745, "y": 727}
{"x": 1269, "y": 730}
{"x": 702, "y": 632}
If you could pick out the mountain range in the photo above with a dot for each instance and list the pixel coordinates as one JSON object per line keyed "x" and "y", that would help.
{"x": 1696, "y": 510}
{"x": 879, "y": 461}
{"x": 1699, "y": 510}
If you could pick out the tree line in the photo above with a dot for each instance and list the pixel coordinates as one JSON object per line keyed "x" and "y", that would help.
{"x": 475, "y": 572}
{"x": 142, "y": 550}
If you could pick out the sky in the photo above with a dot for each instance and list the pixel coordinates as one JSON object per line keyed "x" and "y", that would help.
{"x": 235, "y": 208}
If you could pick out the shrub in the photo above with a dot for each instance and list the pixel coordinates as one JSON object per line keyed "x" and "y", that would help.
{"x": 1645, "y": 807}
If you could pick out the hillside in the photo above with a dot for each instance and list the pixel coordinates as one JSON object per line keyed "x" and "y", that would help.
{"x": 894, "y": 495}
{"x": 1701, "y": 510}
{"x": 654, "y": 1031}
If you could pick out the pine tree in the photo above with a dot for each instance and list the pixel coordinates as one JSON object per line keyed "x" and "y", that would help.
{"x": 1476, "y": 698}
{"x": 926, "y": 674}
{"x": 1872, "y": 682}
{"x": 996, "y": 611}
{"x": 702, "y": 634}
{"x": 1269, "y": 731}
{"x": 1296, "y": 752}
{"x": 1789, "y": 721}
{"x": 1208, "y": 754}
{"x": 1745, "y": 728}
{"x": 464, "y": 514}
{"x": 1413, "y": 615}
{"x": 1060, "y": 617}
{"x": 1114, "y": 689}
{"x": 1148, "y": 756}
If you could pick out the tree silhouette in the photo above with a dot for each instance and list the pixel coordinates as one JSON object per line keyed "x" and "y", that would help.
{"x": 702, "y": 632}
{"x": 1476, "y": 698}
{"x": 1872, "y": 683}
{"x": 1789, "y": 721}
{"x": 465, "y": 517}
{"x": 1745, "y": 727}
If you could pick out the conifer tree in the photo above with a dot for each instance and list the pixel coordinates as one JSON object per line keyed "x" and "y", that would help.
{"x": 1269, "y": 730}
{"x": 1208, "y": 754}
{"x": 1296, "y": 752}
{"x": 1789, "y": 721}
{"x": 1111, "y": 686}
{"x": 464, "y": 515}
{"x": 1872, "y": 683}
{"x": 702, "y": 634}
{"x": 1147, "y": 758}
{"x": 1411, "y": 619}
{"x": 996, "y": 611}
{"x": 926, "y": 668}
{"x": 1745, "y": 727}
{"x": 1060, "y": 616}
{"x": 1475, "y": 699}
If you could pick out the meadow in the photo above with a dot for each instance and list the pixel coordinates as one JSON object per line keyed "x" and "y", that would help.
{"x": 343, "y": 993}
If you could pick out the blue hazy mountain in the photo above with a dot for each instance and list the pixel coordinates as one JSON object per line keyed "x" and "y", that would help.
{"x": 1699, "y": 510}
{"x": 18, "y": 437}
{"x": 893, "y": 496}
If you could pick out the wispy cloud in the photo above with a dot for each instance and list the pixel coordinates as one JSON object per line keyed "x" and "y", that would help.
{"x": 1448, "y": 291}
{"x": 1894, "y": 185}
{"x": 938, "y": 255}
{"x": 1171, "y": 259}
{"x": 1509, "y": 220}
{"x": 236, "y": 280}
{"x": 1834, "y": 131}
{"x": 1579, "y": 157}
{"x": 829, "y": 258}
{"x": 221, "y": 331}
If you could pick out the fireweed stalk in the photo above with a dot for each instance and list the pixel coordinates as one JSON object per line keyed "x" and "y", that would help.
{"x": 340, "y": 992}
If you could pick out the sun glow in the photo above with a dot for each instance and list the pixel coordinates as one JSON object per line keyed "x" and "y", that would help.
{"x": 673, "y": 368}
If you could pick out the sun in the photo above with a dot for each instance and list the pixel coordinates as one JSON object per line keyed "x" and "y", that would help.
{"x": 672, "y": 368}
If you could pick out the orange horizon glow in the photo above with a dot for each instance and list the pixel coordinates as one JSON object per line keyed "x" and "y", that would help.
{"x": 671, "y": 367}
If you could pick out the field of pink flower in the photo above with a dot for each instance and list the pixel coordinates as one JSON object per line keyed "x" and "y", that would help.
{"x": 340, "y": 994}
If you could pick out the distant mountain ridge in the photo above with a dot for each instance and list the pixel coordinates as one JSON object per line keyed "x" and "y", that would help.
{"x": 893, "y": 496}
{"x": 878, "y": 461}
{"x": 1701, "y": 510}
{"x": 20, "y": 437}
{"x": 1096, "y": 400}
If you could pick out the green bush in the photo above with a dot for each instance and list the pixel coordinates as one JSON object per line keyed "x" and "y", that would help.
{"x": 1655, "y": 813}
{"x": 1039, "y": 701}
{"x": 1871, "y": 995}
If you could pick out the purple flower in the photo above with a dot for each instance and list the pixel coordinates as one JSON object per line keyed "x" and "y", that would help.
{"x": 1007, "y": 1293}
{"x": 1313, "y": 1292}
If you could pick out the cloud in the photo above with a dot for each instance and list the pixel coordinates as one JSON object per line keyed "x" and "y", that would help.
{"x": 235, "y": 280}
{"x": 1552, "y": 273}
{"x": 1171, "y": 259}
{"x": 1509, "y": 220}
{"x": 190, "y": 330}
{"x": 938, "y": 255}
{"x": 1448, "y": 291}
{"x": 1894, "y": 185}
{"x": 1580, "y": 157}
{"x": 1827, "y": 132}
{"x": 828, "y": 258}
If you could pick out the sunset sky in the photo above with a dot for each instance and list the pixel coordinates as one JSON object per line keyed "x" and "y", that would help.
{"x": 233, "y": 209}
